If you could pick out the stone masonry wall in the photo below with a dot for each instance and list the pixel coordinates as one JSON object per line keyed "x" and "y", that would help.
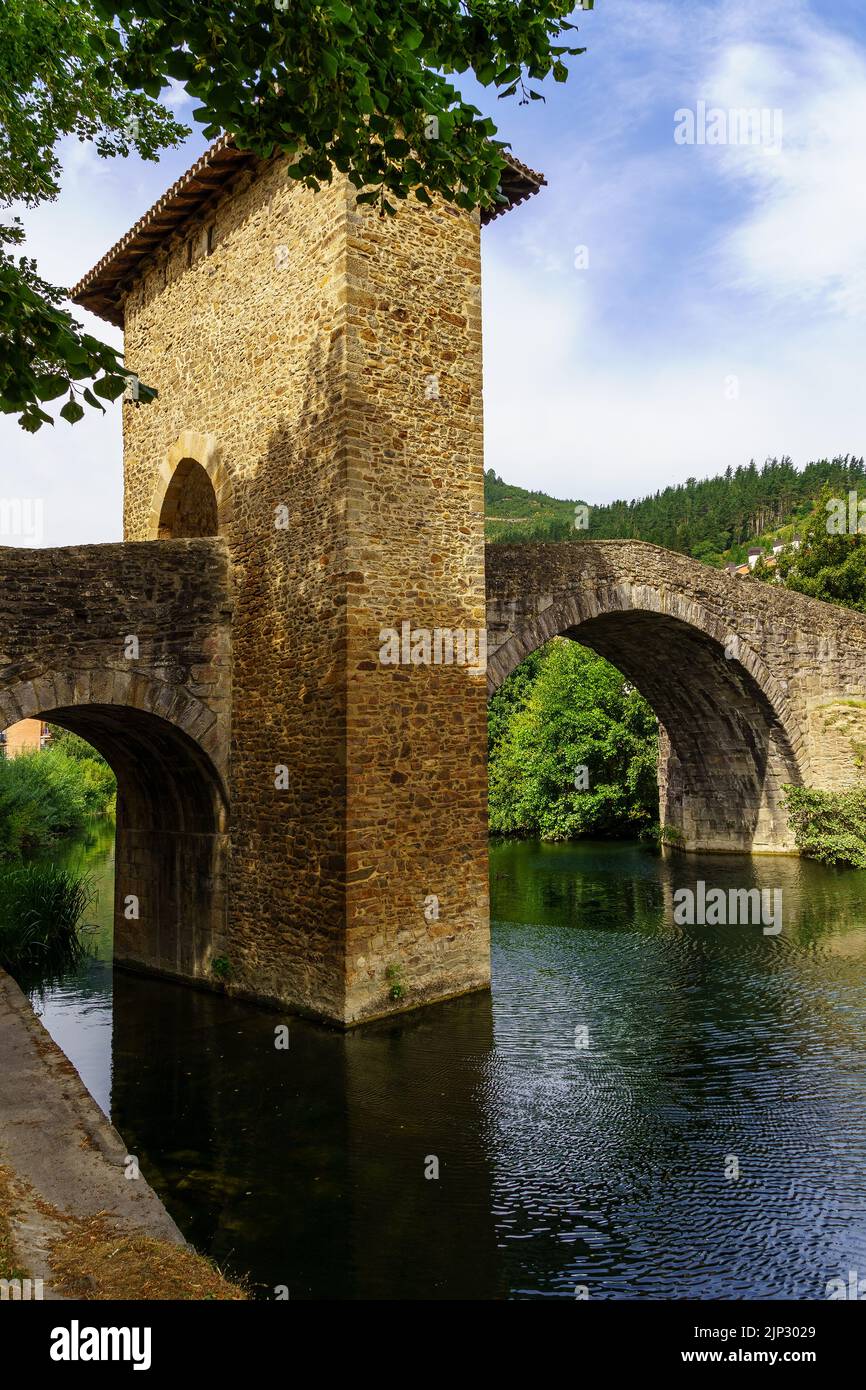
{"x": 417, "y": 734}
{"x": 67, "y": 613}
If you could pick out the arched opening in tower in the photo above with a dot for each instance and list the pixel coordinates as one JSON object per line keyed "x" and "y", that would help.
{"x": 189, "y": 507}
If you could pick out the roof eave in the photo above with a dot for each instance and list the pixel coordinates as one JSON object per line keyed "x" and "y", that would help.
{"x": 103, "y": 288}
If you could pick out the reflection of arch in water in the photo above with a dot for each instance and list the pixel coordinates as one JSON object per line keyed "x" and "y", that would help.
{"x": 729, "y": 740}
{"x": 172, "y": 809}
{"x": 192, "y": 496}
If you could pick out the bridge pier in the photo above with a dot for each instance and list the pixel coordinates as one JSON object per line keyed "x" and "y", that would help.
{"x": 712, "y": 809}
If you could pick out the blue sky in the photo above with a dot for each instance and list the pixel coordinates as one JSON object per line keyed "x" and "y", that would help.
{"x": 721, "y": 314}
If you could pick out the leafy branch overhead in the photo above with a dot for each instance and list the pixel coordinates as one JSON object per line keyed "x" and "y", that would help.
{"x": 364, "y": 88}
{"x": 354, "y": 86}
{"x": 56, "y": 81}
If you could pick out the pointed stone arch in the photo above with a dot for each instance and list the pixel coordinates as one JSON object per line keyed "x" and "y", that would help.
{"x": 203, "y": 450}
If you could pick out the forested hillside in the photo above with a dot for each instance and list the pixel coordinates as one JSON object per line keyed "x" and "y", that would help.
{"x": 714, "y": 519}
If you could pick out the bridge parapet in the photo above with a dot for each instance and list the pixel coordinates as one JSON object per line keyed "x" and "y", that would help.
{"x": 103, "y": 624}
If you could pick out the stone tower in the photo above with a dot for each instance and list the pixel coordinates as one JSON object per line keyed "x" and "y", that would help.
{"x": 320, "y": 413}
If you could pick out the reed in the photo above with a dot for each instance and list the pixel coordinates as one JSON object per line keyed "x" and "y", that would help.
{"x": 41, "y": 911}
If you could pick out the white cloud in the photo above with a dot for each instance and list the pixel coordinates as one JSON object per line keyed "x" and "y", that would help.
{"x": 803, "y": 239}
{"x": 563, "y": 417}
{"x": 707, "y": 262}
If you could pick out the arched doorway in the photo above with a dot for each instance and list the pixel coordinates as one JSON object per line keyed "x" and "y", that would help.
{"x": 189, "y": 507}
{"x": 192, "y": 493}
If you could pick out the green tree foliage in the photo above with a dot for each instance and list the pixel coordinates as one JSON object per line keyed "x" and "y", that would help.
{"x": 363, "y": 88}
{"x": 59, "y": 77}
{"x": 353, "y": 86}
{"x": 46, "y": 794}
{"x": 827, "y": 566}
{"x": 565, "y": 709}
{"x": 510, "y": 699}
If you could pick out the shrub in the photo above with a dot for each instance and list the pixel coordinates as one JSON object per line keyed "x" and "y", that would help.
{"x": 829, "y": 826}
{"x": 43, "y": 795}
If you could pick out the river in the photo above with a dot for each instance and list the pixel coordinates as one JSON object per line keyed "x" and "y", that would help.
{"x": 638, "y": 1110}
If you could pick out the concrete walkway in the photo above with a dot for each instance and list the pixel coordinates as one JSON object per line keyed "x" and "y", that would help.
{"x": 62, "y": 1152}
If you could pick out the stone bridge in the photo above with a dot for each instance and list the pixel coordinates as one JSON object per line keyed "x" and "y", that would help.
{"x": 130, "y": 646}
{"x": 299, "y": 821}
{"x": 754, "y": 686}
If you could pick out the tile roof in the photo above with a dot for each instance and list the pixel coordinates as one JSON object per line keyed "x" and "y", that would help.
{"x": 101, "y": 289}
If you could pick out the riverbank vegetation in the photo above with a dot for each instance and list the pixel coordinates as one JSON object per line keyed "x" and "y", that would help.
{"x": 829, "y": 826}
{"x": 573, "y": 749}
{"x": 51, "y": 793}
{"x": 44, "y": 796}
{"x": 41, "y": 909}
{"x": 10, "y": 1267}
{"x": 98, "y": 1259}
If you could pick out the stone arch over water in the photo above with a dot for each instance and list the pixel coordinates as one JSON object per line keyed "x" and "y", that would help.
{"x": 172, "y": 810}
{"x": 729, "y": 737}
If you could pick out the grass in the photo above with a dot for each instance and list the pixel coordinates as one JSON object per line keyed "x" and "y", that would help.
{"x": 9, "y": 1266}
{"x": 41, "y": 907}
{"x": 96, "y": 1259}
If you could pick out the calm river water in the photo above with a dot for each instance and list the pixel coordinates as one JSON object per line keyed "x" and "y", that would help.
{"x": 606, "y": 1167}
